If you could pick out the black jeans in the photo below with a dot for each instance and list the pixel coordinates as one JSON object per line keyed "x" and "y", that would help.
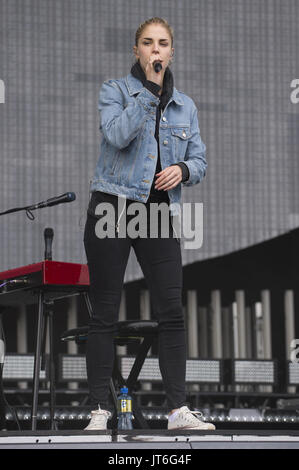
{"x": 161, "y": 263}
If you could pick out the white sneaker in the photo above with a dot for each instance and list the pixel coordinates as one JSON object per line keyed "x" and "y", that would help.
{"x": 98, "y": 420}
{"x": 183, "y": 418}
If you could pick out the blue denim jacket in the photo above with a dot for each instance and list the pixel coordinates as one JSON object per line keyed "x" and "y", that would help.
{"x": 128, "y": 153}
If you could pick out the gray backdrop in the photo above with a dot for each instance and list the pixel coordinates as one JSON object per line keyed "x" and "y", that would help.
{"x": 235, "y": 58}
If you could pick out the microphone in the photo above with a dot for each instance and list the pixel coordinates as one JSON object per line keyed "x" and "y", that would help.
{"x": 157, "y": 66}
{"x": 53, "y": 201}
{"x": 48, "y": 236}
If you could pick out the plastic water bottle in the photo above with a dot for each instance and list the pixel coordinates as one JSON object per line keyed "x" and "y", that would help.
{"x": 124, "y": 410}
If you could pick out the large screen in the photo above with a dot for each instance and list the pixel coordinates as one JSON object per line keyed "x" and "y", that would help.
{"x": 237, "y": 59}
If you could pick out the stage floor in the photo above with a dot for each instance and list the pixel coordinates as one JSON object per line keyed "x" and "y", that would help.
{"x": 150, "y": 439}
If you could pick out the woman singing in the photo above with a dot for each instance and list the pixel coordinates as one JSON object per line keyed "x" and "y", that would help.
{"x": 150, "y": 145}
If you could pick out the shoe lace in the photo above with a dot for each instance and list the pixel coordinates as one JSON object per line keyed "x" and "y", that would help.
{"x": 199, "y": 413}
{"x": 99, "y": 413}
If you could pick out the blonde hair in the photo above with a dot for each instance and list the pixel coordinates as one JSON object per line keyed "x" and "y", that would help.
{"x": 153, "y": 20}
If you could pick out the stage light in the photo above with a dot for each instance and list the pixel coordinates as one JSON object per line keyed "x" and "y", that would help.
{"x": 293, "y": 373}
{"x": 150, "y": 369}
{"x": 72, "y": 367}
{"x": 19, "y": 367}
{"x": 203, "y": 371}
{"x": 245, "y": 414}
{"x": 258, "y": 371}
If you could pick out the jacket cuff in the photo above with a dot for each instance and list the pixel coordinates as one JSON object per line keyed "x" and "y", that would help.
{"x": 185, "y": 170}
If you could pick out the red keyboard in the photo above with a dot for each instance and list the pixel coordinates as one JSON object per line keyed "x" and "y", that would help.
{"x": 51, "y": 276}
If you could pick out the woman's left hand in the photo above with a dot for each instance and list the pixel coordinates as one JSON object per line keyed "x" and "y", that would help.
{"x": 168, "y": 178}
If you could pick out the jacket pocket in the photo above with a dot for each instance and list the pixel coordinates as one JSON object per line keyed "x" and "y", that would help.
{"x": 180, "y": 137}
{"x": 182, "y": 133}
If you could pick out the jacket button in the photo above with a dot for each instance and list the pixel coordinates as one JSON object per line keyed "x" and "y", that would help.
{"x": 164, "y": 118}
{"x": 184, "y": 134}
{"x": 165, "y": 142}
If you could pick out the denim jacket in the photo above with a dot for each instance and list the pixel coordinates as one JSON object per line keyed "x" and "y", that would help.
{"x": 128, "y": 151}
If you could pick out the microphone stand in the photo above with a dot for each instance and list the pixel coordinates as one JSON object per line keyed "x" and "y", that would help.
{"x": 42, "y": 325}
{"x": 48, "y": 312}
{"x": 28, "y": 210}
{"x": 67, "y": 197}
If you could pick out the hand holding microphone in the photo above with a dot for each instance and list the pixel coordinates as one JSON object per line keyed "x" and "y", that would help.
{"x": 153, "y": 70}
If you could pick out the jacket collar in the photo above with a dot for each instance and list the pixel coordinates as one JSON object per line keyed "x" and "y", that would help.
{"x": 134, "y": 86}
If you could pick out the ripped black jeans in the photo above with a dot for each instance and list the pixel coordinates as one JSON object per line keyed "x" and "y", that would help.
{"x": 161, "y": 263}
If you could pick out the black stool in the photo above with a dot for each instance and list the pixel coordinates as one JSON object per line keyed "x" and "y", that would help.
{"x": 127, "y": 332}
